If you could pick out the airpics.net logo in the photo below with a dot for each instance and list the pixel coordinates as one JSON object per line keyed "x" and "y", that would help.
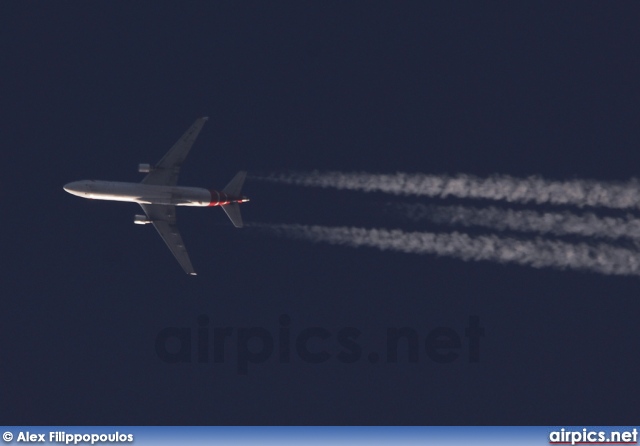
{"x": 589, "y": 436}
{"x": 204, "y": 343}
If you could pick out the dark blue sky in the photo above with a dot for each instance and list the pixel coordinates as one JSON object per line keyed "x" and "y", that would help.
{"x": 91, "y": 89}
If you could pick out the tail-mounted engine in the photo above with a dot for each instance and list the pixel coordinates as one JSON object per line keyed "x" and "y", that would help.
{"x": 141, "y": 220}
{"x": 144, "y": 168}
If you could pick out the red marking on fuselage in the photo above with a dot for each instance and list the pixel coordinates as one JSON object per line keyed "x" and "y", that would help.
{"x": 219, "y": 198}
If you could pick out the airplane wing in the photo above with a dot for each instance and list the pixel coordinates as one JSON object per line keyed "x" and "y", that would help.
{"x": 166, "y": 171}
{"x": 163, "y": 218}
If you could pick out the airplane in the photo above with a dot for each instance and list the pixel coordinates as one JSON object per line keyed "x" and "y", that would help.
{"x": 158, "y": 194}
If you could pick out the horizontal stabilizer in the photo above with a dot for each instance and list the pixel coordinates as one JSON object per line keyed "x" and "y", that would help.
{"x": 234, "y": 188}
{"x": 233, "y": 212}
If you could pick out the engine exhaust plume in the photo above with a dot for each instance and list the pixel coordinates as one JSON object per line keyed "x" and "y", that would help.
{"x": 555, "y": 223}
{"x": 537, "y": 253}
{"x": 496, "y": 187}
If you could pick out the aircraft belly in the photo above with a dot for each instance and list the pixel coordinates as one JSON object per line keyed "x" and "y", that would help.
{"x": 190, "y": 196}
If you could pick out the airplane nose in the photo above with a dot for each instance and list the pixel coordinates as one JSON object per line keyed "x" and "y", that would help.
{"x": 69, "y": 187}
{"x": 73, "y": 188}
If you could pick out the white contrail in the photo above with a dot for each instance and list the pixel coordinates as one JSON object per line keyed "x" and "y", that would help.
{"x": 556, "y": 223}
{"x": 538, "y": 253}
{"x": 496, "y": 187}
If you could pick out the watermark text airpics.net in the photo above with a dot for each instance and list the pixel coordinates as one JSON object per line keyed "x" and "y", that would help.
{"x": 206, "y": 343}
{"x": 589, "y": 436}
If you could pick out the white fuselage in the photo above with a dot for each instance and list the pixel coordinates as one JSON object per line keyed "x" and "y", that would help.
{"x": 149, "y": 194}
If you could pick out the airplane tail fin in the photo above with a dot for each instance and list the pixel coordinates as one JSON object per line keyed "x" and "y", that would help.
{"x": 234, "y": 189}
{"x": 233, "y": 212}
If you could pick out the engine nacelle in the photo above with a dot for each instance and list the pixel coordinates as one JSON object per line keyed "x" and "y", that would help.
{"x": 144, "y": 168}
{"x": 141, "y": 220}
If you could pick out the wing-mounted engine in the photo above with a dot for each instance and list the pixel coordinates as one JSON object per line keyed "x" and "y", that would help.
{"x": 144, "y": 168}
{"x": 141, "y": 220}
